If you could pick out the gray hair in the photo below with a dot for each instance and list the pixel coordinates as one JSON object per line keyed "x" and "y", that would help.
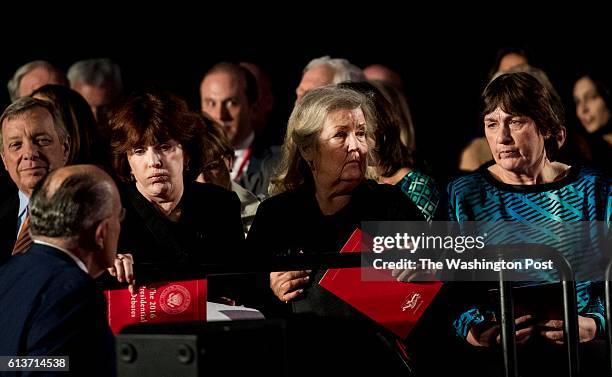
{"x": 71, "y": 210}
{"x": 13, "y": 83}
{"x": 304, "y": 127}
{"x": 343, "y": 69}
{"x": 24, "y": 105}
{"x": 96, "y": 72}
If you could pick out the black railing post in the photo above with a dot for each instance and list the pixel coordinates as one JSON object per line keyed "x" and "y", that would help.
{"x": 507, "y": 327}
{"x": 570, "y": 315}
{"x": 609, "y": 317}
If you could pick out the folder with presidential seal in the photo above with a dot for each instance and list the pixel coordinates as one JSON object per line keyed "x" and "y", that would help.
{"x": 167, "y": 302}
{"x": 395, "y": 305}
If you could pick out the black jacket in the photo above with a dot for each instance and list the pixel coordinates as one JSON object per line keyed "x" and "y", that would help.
{"x": 292, "y": 222}
{"x": 9, "y": 208}
{"x": 262, "y": 163}
{"x": 51, "y": 307}
{"x": 209, "y": 230}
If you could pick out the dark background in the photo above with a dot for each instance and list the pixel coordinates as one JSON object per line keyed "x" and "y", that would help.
{"x": 444, "y": 58}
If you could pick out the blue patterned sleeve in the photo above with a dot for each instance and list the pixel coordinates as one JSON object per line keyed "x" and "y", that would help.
{"x": 467, "y": 319}
{"x": 450, "y": 193}
{"x": 590, "y": 304}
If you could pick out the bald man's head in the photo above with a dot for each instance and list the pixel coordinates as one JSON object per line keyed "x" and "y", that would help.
{"x": 71, "y": 200}
{"x": 57, "y": 177}
{"x": 78, "y": 208}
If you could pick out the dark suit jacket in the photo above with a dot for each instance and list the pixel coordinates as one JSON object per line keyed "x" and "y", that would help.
{"x": 209, "y": 230}
{"x": 262, "y": 163}
{"x": 9, "y": 206}
{"x": 51, "y": 307}
{"x": 292, "y": 222}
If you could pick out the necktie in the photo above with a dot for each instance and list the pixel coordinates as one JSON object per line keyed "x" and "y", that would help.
{"x": 23, "y": 239}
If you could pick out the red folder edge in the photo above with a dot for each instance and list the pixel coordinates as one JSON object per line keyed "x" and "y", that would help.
{"x": 397, "y": 306}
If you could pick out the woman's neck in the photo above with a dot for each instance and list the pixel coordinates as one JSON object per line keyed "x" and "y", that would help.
{"x": 330, "y": 200}
{"x": 545, "y": 172}
{"x": 170, "y": 208}
{"x": 168, "y": 204}
{"x": 396, "y": 177}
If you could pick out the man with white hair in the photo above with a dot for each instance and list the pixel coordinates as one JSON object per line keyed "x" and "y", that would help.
{"x": 32, "y": 76}
{"x": 325, "y": 71}
{"x": 33, "y": 142}
{"x": 99, "y": 82}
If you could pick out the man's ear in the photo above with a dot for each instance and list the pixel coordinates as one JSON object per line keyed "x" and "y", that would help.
{"x": 253, "y": 109}
{"x": 100, "y": 233}
{"x": 66, "y": 149}
{"x": 3, "y": 162}
{"x": 2, "y": 152}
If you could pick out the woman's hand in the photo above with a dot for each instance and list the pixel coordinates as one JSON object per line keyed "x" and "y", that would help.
{"x": 286, "y": 285}
{"x": 552, "y": 330}
{"x": 123, "y": 270}
{"x": 487, "y": 333}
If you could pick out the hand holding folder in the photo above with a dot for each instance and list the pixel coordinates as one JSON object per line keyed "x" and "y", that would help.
{"x": 288, "y": 285}
{"x": 395, "y": 305}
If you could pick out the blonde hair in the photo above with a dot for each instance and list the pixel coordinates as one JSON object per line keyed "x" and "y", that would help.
{"x": 303, "y": 130}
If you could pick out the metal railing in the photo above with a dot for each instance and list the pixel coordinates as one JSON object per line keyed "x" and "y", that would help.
{"x": 570, "y": 315}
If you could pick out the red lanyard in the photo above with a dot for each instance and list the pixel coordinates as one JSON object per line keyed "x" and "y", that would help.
{"x": 247, "y": 155}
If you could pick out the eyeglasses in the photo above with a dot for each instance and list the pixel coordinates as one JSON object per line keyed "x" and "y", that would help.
{"x": 213, "y": 165}
{"x": 216, "y": 164}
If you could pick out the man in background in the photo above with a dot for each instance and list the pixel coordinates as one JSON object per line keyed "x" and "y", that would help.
{"x": 325, "y": 71}
{"x": 99, "y": 82}
{"x": 32, "y": 76}
{"x": 228, "y": 94}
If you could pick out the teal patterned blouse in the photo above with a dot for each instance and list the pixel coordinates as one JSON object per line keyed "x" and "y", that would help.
{"x": 584, "y": 195}
{"x": 422, "y": 191}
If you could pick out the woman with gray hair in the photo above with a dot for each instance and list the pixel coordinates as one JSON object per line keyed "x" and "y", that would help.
{"x": 525, "y": 185}
{"x": 322, "y": 195}
{"x": 478, "y": 152}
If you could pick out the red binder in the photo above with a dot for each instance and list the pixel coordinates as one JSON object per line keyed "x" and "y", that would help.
{"x": 177, "y": 301}
{"x": 397, "y": 306}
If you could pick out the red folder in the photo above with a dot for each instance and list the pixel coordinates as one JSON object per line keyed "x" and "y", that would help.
{"x": 177, "y": 301}
{"x": 397, "y": 306}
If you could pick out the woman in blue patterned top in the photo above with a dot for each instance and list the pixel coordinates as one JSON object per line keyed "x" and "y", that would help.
{"x": 524, "y": 128}
{"x": 393, "y": 160}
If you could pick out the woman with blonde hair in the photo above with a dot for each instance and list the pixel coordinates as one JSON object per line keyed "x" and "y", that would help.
{"x": 321, "y": 194}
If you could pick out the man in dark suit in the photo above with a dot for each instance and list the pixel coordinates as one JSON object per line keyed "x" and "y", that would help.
{"x": 229, "y": 95}
{"x": 33, "y": 142}
{"x": 9, "y": 209}
{"x": 50, "y": 305}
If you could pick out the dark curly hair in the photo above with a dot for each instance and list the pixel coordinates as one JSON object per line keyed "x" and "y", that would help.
{"x": 152, "y": 118}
